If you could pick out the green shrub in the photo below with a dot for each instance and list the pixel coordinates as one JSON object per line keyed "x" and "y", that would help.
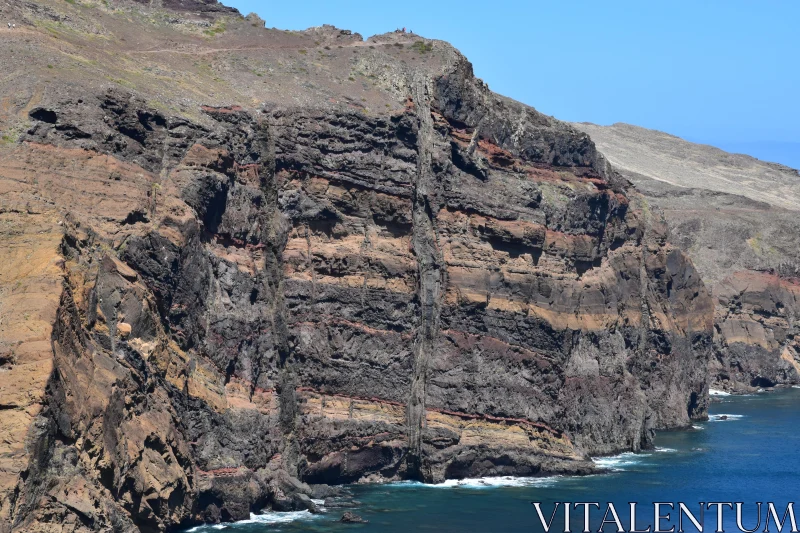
{"x": 422, "y": 47}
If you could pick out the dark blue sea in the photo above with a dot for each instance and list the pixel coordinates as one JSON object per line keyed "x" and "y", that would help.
{"x": 749, "y": 451}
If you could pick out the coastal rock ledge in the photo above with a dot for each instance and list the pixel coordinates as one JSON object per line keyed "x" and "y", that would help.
{"x": 242, "y": 262}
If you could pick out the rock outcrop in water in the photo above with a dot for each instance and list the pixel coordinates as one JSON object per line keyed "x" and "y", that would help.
{"x": 736, "y": 217}
{"x": 243, "y": 261}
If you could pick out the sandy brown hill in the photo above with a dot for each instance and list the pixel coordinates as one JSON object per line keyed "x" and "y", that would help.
{"x": 666, "y": 158}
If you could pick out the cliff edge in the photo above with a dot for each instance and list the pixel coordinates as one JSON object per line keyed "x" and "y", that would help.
{"x": 248, "y": 261}
{"x": 736, "y": 217}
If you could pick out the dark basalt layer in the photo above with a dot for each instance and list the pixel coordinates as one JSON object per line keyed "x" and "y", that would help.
{"x": 259, "y": 299}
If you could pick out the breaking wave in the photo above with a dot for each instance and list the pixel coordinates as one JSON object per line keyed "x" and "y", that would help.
{"x": 722, "y": 417}
{"x": 499, "y": 481}
{"x": 618, "y": 463}
{"x": 715, "y": 392}
{"x": 264, "y": 518}
{"x": 484, "y": 482}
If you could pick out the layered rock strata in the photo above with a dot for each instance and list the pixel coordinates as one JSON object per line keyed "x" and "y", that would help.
{"x": 243, "y": 301}
{"x": 736, "y": 217}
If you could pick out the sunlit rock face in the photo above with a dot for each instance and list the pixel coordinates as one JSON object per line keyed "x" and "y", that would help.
{"x": 736, "y": 218}
{"x": 254, "y": 275}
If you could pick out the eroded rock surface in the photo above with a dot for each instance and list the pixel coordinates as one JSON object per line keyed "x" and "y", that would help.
{"x": 252, "y": 287}
{"x": 737, "y": 219}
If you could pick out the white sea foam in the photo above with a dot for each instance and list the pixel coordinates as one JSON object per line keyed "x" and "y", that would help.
{"x": 498, "y": 481}
{"x": 665, "y": 450}
{"x": 715, "y": 392}
{"x": 619, "y": 462}
{"x": 206, "y": 527}
{"x": 320, "y": 505}
{"x": 796, "y": 386}
{"x": 718, "y": 418}
{"x": 695, "y": 426}
{"x": 272, "y": 517}
{"x": 269, "y": 517}
{"x": 488, "y": 482}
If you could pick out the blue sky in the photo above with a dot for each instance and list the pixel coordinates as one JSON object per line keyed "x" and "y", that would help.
{"x": 723, "y": 72}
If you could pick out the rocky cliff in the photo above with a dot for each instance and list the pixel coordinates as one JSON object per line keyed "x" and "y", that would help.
{"x": 736, "y": 217}
{"x": 246, "y": 262}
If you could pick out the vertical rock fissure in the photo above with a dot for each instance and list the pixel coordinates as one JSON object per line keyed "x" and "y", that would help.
{"x": 429, "y": 268}
{"x": 644, "y": 286}
{"x": 644, "y": 326}
{"x": 273, "y": 236}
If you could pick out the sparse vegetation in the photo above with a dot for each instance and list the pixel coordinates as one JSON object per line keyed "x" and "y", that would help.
{"x": 216, "y": 29}
{"x": 422, "y": 47}
{"x": 553, "y": 195}
{"x": 13, "y": 133}
{"x": 155, "y": 188}
{"x": 646, "y": 208}
{"x": 761, "y": 248}
{"x": 120, "y": 81}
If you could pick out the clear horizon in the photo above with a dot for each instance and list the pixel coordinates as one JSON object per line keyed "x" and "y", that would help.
{"x": 723, "y": 74}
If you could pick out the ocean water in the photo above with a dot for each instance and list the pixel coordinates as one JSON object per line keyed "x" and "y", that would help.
{"x": 749, "y": 451}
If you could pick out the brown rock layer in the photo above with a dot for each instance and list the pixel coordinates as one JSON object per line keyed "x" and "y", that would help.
{"x": 756, "y": 332}
{"x": 245, "y": 300}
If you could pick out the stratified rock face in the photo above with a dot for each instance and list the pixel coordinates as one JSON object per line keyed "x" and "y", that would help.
{"x": 192, "y": 6}
{"x": 255, "y": 299}
{"x": 736, "y": 217}
{"x": 758, "y": 324}
{"x": 30, "y": 287}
